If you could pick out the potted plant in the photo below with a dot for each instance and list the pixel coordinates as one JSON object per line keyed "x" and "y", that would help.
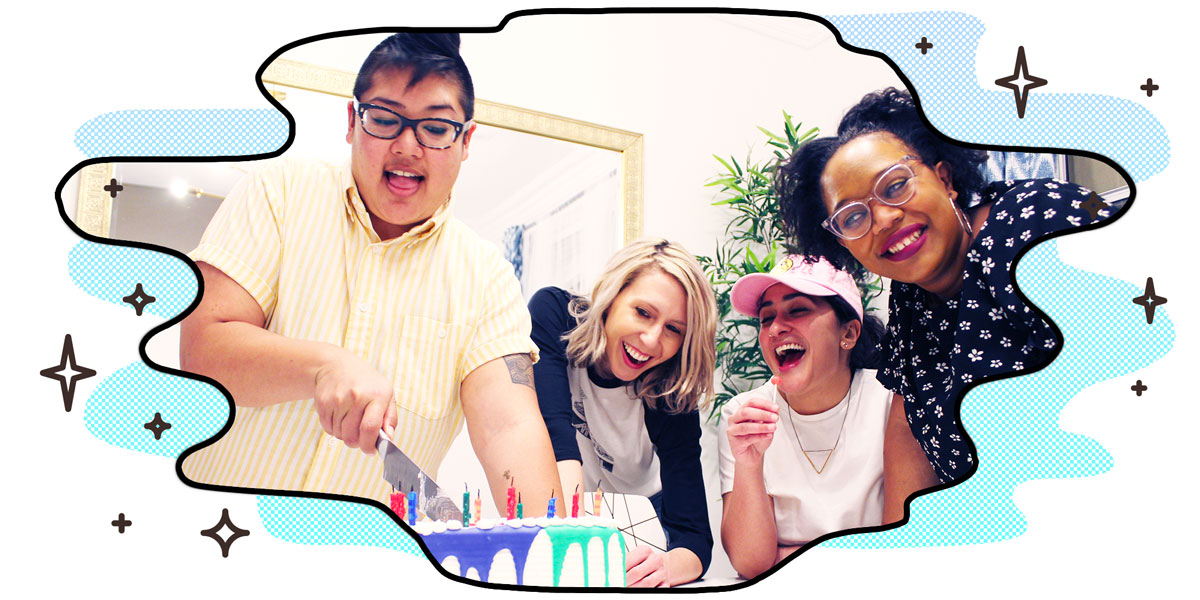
{"x": 754, "y": 239}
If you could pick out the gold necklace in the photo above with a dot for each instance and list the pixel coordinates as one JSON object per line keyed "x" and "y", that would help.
{"x": 801, "y": 443}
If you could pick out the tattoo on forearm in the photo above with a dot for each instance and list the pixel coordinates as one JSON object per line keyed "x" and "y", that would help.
{"x": 520, "y": 369}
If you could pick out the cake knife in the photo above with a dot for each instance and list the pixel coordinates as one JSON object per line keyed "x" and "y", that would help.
{"x": 404, "y": 475}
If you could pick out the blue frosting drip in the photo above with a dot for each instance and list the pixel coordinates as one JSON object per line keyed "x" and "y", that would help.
{"x": 475, "y": 547}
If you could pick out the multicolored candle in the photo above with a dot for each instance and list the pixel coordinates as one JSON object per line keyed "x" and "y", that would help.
{"x": 466, "y": 505}
{"x": 478, "y": 508}
{"x": 596, "y": 496}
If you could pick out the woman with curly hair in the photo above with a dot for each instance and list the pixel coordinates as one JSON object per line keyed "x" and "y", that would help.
{"x": 619, "y": 379}
{"x": 889, "y": 194}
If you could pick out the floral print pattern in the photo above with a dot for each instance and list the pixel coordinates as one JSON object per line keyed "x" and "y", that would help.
{"x": 995, "y": 332}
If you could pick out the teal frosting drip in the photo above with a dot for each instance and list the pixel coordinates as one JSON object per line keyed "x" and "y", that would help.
{"x": 563, "y": 537}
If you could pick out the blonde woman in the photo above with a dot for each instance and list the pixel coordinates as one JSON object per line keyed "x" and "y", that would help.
{"x": 620, "y": 377}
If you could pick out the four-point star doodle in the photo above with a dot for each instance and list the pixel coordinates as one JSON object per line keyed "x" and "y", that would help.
{"x": 67, "y": 372}
{"x": 1020, "y": 82}
{"x": 139, "y": 299}
{"x": 157, "y": 426}
{"x": 1150, "y": 300}
{"x": 225, "y": 542}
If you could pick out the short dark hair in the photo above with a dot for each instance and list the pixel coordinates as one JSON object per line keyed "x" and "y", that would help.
{"x": 866, "y": 354}
{"x": 798, "y": 180}
{"x": 425, "y": 54}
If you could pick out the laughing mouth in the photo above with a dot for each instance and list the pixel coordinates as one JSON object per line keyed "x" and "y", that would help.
{"x": 905, "y": 242}
{"x": 635, "y": 356}
{"x": 405, "y": 174}
{"x": 789, "y": 354}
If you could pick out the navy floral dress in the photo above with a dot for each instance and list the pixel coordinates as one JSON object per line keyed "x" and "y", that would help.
{"x": 934, "y": 349}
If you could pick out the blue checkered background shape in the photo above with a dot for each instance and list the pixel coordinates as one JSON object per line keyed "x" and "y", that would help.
{"x": 946, "y": 82}
{"x": 120, "y": 405}
{"x": 112, "y": 272}
{"x": 330, "y": 522}
{"x": 1000, "y": 417}
{"x": 1014, "y": 422}
{"x": 226, "y": 132}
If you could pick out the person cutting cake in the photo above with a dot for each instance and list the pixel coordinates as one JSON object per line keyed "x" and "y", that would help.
{"x": 339, "y": 299}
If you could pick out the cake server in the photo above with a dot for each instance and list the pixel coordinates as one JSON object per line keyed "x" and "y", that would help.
{"x": 404, "y": 475}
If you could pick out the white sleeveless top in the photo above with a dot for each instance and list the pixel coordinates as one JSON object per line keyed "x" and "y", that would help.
{"x": 849, "y": 491}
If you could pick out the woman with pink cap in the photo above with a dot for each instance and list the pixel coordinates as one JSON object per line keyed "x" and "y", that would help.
{"x": 802, "y": 455}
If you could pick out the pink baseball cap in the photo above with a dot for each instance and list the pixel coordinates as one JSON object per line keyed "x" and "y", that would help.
{"x": 815, "y": 277}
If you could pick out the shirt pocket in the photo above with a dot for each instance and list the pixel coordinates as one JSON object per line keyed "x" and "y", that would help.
{"x": 427, "y": 366}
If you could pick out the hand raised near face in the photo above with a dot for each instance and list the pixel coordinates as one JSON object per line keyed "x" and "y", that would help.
{"x": 751, "y": 429}
{"x": 354, "y": 401}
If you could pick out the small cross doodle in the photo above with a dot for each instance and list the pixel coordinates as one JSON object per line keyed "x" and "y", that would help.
{"x": 1150, "y": 87}
{"x": 1138, "y": 388}
{"x": 121, "y": 523}
{"x": 924, "y": 45}
{"x": 113, "y": 187}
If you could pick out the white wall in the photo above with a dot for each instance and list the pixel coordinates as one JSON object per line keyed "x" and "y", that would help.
{"x": 694, "y": 85}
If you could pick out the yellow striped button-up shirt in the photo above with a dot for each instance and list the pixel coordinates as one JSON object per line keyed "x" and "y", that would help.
{"x": 425, "y": 309}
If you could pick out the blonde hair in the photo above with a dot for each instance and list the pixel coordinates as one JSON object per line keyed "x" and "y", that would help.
{"x": 684, "y": 381}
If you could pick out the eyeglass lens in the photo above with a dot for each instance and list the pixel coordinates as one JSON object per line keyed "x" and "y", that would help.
{"x": 433, "y": 133}
{"x": 894, "y": 187}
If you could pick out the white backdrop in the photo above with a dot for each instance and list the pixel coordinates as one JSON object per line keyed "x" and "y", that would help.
{"x": 1126, "y": 532}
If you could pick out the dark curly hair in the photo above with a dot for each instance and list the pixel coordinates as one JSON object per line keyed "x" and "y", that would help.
{"x": 798, "y": 180}
{"x": 426, "y": 54}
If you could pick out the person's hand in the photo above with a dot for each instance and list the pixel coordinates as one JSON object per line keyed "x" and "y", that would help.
{"x": 354, "y": 401}
{"x": 751, "y": 429}
{"x": 646, "y": 568}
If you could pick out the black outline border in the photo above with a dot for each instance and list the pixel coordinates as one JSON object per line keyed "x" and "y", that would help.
{"x": 494, "y": 29}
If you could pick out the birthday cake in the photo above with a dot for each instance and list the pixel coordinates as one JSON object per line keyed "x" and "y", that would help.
{"x": 574, "y": 552}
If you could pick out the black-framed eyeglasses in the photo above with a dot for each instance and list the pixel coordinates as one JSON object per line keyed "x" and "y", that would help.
{"x": 387, "y": 124}
{"x": 895, "y": 185}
